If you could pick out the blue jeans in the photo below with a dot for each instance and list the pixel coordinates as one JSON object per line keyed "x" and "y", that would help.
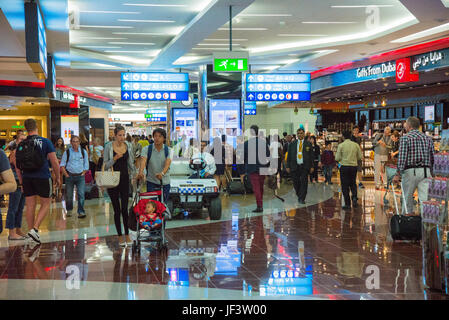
{"x": 15, "y": 209}
{"x": 153, "y": 186}
{"x": 327, "y": 170}
{"x": 70, "y": 182}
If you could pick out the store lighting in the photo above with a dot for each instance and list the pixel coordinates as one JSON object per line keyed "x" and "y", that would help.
{"x": 141, "y": 33}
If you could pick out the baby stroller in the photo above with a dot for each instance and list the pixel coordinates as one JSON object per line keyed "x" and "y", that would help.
{"x": 144, "y": 235}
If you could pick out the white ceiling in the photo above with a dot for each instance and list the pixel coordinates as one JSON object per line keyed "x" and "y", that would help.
{"x": 183, "y": 34}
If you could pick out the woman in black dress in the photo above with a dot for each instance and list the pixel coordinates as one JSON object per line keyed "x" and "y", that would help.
{"x": 316, "y": 159}
{"x": 119, "y": 155}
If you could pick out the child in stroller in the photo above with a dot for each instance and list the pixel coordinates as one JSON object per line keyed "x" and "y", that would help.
{"x": 150, "y": 219}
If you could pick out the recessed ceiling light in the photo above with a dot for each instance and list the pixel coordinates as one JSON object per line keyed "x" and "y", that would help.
{"x": 154, "y": 5}
{"x": 111, "y": 12}
{"x": 127, "y": 51}
{"x": 100, "y": 47}
{"x": 144, "y": 62}
{"x": 141, "y": 33}
{"x": 366, "y": 6}
{"x": 328, "y": 22}
{"x": 146, "y": 21}
{"x": 264, "y": 15}
{"x": 106, "y": 27}
{"x": 422, "y": 34}
{"x": 210, "y": 49}
{"x": 134, "y": 43}
{"x": 101, "y": 38}
{"x": 225, "y": 39}
{"x": 245, "y": 29}
{"x": 301, "y": 35}
{"x": 217, "y": 44}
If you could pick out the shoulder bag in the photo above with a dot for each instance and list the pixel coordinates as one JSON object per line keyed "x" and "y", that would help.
{"x": 107, "y": 179}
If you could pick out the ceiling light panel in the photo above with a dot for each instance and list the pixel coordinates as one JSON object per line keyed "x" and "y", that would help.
{"x": 110, "y": 12}
{"x": 134, "y": 43}
{"x": 146, "y": 21}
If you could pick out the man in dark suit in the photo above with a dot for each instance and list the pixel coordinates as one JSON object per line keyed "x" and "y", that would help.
{"x": 300, "y": 164}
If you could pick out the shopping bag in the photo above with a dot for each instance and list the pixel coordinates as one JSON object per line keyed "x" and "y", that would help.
{"x": 107, "y": 179}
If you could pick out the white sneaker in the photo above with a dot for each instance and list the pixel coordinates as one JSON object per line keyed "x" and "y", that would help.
{"x": 34, "y": 236}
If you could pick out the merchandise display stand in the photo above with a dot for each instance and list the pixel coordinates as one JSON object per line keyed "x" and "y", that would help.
{"x": 367, "y": 163}
{"x": 435, "y": 226}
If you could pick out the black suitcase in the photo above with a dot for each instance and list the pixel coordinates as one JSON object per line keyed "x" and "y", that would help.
{"x": 404, "y": 227}
{"x": 91, "y": 192}
{"x": 236, "y": 187}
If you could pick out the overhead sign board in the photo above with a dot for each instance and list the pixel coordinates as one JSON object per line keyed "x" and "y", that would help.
{"x": 278, "y": 87}
{"x": 138, "y": 86}
{"x": 230, "y": 61}
{"x": 156, "y": 115}
{"x": 50, "y": 82}
{"x": 250, "y": 108}
{"x": 36, "y": 40}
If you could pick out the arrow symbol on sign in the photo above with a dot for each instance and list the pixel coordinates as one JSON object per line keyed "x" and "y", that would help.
{"x": 250, "y": 78}
{"x": 126, "y": 76}
{"x": 251, "y": 97}
{"x": 126, "y": 86}
{"x": 126, "y": 96}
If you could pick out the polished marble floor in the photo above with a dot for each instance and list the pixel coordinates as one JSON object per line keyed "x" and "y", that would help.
{"x": 290, "y": 251}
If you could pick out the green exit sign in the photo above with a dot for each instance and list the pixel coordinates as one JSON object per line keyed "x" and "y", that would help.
{"x": 148, "y": 115}
{"x": 231, "y": 65}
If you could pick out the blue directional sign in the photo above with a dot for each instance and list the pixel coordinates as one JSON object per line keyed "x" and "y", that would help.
{"x": 250, "y": 108}
{"x": 138, "y": 86}
{"x": 278, "y": 87}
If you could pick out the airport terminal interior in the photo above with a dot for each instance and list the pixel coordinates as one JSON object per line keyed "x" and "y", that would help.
{"x": 336, "y": 90}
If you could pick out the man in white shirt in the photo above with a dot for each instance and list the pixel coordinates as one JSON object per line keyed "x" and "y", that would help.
{"x": 209, "y": 170}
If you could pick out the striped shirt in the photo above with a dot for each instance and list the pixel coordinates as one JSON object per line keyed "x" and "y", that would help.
{"x": 415, "y": 150}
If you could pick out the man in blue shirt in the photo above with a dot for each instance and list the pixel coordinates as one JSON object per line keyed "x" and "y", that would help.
{"x": 74, "y": 164}
{"x": 38, "y": 182}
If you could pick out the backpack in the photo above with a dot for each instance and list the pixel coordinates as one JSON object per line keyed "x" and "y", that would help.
{"x": 68, "y": 154}
{"x": 150, "y": 152}
{"x": 29, "y": 156}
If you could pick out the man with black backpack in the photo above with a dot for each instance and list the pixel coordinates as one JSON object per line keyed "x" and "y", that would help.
{"x": 32, "y": 158}
{"x": 74, "y": 165}
{"x": 156, "y": 159}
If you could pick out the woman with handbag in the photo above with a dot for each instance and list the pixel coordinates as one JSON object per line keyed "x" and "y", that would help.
{"x": 119, "y": 156}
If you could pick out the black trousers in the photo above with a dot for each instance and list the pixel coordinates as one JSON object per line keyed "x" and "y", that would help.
{"x": 348, "y": 175}
{"x": 121, "y": 192}
{"x": 300, "y": 179}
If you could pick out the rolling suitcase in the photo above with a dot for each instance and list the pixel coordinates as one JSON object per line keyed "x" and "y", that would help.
{"x": 405, "y": 227}
{"x": 234, "y": 186}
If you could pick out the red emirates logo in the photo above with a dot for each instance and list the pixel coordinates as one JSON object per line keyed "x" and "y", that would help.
{"x": 400, "y": 70}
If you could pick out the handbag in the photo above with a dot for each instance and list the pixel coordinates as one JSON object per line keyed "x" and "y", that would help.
{"x": 107, "y": 179}
{"x": 88, "y": 177}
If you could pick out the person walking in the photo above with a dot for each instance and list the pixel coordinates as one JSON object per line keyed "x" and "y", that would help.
{"x": 300, "y": 164}
{"x": 36, "y": 182}
{"x": 415, "y": 164}
{"x": 84, "y": 143}
{"x": 348, "y": 155}
{"x": 74, "y": 165}
{"x": 357, "y": 138}
{"x": 328, "y": 162}
{"x": 381, "y": 144}
{"x": 316, "y": 159}
{"x": 156, "y": 159}
{"x": 256, "y": 157}
{"x": 96, "y": 155}
{"x": 16, "y": 198}
{"x": 59, "y": 150}
{"x": 119, "y": 156}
